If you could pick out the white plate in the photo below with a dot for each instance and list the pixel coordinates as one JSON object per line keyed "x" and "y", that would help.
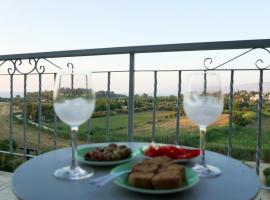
{"x": 142, "y": 150}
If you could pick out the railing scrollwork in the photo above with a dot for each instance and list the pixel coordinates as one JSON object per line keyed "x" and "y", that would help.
{"x": 258, "y": 63}
{"x": 16, "y": 65}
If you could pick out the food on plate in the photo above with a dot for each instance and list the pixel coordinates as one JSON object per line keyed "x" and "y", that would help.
{"x": 141, "y": 179}
{"x": 145, "y": 167}
{"x": 157, "y": 173}
{"x": 174, "y": 168}
{"x": 112, "y": 152}
{"x": 167, "y": 180}
{"x": 170, "y": 151}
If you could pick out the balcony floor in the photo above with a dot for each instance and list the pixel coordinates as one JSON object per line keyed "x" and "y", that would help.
{"x": 6, "y": 193}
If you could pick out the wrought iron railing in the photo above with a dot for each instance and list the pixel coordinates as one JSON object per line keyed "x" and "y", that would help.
{"x": 16, "y": 61}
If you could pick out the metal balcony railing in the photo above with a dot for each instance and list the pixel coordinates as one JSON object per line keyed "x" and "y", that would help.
{"x": 15, "y": 61}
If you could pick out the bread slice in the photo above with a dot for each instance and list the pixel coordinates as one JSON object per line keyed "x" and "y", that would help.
{"x": 141, "y": 179}
{"x": 161, "y": 160}
{"x": 158, "y": 173}
{"x": 174, "y": 167}
{"x": 167, "y": 180}
{"x": 145, "y": 167}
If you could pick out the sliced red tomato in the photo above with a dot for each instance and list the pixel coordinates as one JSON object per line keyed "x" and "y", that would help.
{"x": 171, "y": 152}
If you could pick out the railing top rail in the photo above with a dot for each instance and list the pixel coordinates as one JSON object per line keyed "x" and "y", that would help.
{"x": 200, "y": 46}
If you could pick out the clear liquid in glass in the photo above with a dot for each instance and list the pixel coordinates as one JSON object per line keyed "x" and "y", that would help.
{"x": 74, "y": 111}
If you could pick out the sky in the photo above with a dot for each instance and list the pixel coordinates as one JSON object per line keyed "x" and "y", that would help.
{"x": 36, "y": 26}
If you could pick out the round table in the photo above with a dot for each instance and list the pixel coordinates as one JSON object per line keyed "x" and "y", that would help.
{"x": 35, "y": 180}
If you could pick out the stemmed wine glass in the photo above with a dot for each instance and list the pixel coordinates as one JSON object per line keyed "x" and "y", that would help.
{"x": 203, "y": 103}
{"x": 74, "y": 103}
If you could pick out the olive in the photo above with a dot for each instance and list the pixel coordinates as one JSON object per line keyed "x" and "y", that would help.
{"x": 116, "y": 157}
{"x": 122, "y": 146}
{"x": 113, "y": 145}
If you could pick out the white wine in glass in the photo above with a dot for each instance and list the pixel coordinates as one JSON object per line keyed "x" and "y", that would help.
{"x": 74, "y": 103}
{"x": 203, "y": 103}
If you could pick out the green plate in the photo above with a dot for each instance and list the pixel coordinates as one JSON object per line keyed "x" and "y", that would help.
{"x": 82, "y": 151}
{"x": 191, "y": 180}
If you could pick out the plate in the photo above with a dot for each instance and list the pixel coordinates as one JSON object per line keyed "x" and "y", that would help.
{"x": 191, "y": 180}
{"x": 82, "y": 151}
{"x": 142, "y": 150}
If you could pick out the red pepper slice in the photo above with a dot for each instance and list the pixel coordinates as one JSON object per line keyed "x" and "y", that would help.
{"x": 171, "y": 152}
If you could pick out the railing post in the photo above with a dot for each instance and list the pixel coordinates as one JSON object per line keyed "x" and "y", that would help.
{"x": 55, "y": 123}
{"x": 205, "y": 82}
{"x": 259, "y": 127}
{"x": 108, "y": 106}
{"x": 39, "y": 112}
{"x": 11, "y": 116}
{"x": 24, "y": 113}
{"x": 89, "y": 128}
{"x": 178, "y": 108}
{"x": 154, "y": 108}
{"x": 131, "y": 96}
{"x": 231, "y": 113}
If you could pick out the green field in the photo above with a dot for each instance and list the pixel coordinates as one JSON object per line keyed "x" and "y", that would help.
{"x": 118, "y": 125}
{"x": 243, "y": 138}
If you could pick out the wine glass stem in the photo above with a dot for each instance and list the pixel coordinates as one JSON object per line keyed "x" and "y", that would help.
{"x": 202, "y": 144}
{"x": 74, "y": 162}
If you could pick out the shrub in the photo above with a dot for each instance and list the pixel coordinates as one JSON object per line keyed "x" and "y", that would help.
{"x": 9, "y": 162}
{"x": 162, "y": 108}
{"x": 226, "y": 112}
{"x": 139, "y": 109}
{"x": 240, "y": 119}
{"x": 267, "y": 181}
{"x": 215, "y": 132}
{"x": 250, "y": 115}
{"x": 237, "y": 152}
{"x": 266, "y": 172}
{"x": 4, "y": 145}
{"x": 266, "y": 155}
{"x": 113, "y": 113}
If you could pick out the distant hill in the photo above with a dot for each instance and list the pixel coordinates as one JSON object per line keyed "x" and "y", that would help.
{"x": 252, "y": 87}
{"x": 34, "y": 95}
{"x": 103, "y": 94}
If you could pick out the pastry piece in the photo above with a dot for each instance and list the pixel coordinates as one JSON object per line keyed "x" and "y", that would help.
{"x": 141, "y": 179}
{"x": 167, "y": 180}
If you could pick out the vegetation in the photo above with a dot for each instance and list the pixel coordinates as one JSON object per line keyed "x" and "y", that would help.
{"x": 244, "y": 127}
{"x": 8, "y": 162}
{"x": 241, "y": 118}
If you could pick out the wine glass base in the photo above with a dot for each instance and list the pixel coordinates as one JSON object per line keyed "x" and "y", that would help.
{"x": 73, "y": 174}
{"x": 206, "y": 170}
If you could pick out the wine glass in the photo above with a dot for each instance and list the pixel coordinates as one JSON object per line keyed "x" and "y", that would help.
{"x": 203, "y": 103}
{"x": 74, "y": 103}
